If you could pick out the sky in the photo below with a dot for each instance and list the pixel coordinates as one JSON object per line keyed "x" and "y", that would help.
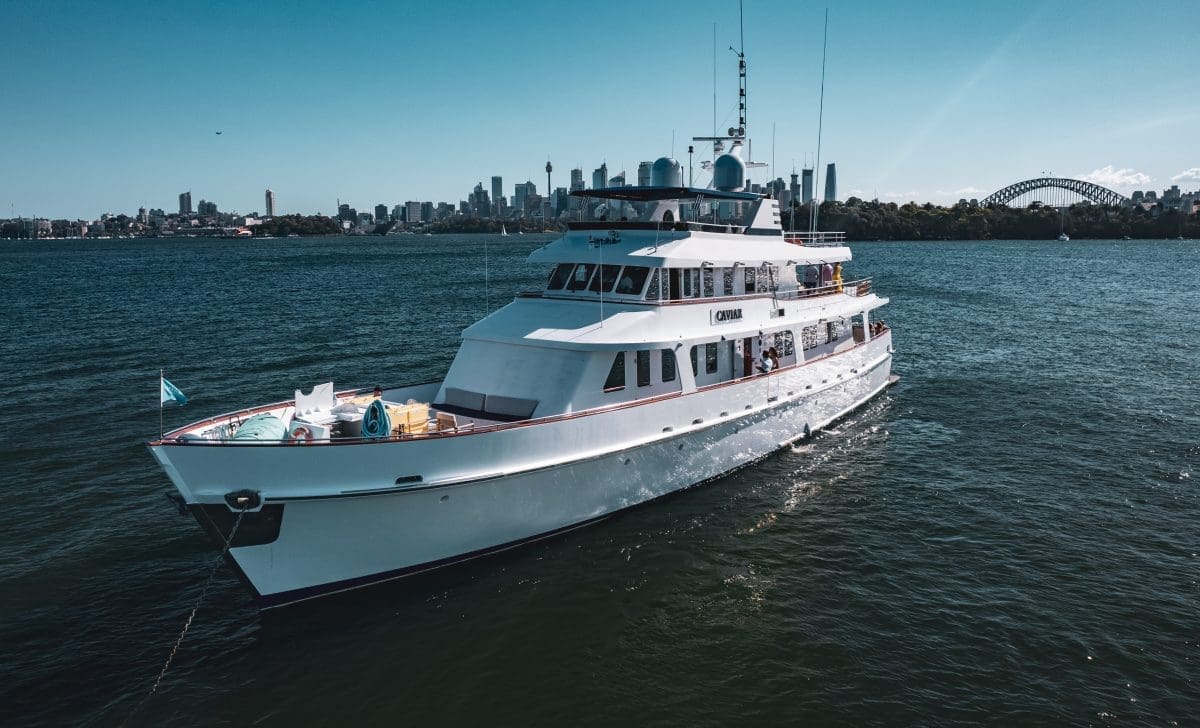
{"x": 112, "y": 106}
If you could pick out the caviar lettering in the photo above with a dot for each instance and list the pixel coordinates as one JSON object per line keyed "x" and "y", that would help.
{"x": 725, "y": 315}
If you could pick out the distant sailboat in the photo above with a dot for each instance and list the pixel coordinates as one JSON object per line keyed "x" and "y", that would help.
{"x": 1062, "y": 234}
{"x": 503, "y": 231}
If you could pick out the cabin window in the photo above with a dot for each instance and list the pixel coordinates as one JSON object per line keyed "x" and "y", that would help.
{"x": 688, "y": 282}
{"x": 559, "y": 276}
{"x": 579, "y": 279}
{"x": 695, "y": 365}
{"x": 728, "y": 281}
{"x": 616, "y": 375}
{"x": 710, "y": 358}
{"x": 768, "y": 278}
{"x": 603, "y": 281}
{"x": 808, "y": 337}
{"x": 668, "y": 365}
{"x": 750, "y": 280}
{"x": 632, "y": 280}
{"x": 643, "y": 368}
{"x": 652, "y": 291}
{"x": 706, "y": 280}
{"x": 784, "y": 346}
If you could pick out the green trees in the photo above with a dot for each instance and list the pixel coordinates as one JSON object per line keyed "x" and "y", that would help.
{"x": 863, "y": 220}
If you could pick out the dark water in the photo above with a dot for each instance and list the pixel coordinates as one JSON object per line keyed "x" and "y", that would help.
{"x": 1009, "y": 536}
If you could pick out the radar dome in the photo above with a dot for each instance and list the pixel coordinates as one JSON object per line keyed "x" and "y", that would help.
{"x": 729, "y": 173}
{"x": 666, "y": 172}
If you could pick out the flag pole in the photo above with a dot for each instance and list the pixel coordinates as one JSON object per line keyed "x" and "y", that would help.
{"x": 160, "y": 417}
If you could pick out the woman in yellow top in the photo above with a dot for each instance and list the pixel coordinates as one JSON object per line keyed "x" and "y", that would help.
{"x": 837, "y": 276}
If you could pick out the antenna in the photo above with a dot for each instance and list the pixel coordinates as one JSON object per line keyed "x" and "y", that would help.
{"x": 812, "y": 226}
{"x": 772, "y": 150}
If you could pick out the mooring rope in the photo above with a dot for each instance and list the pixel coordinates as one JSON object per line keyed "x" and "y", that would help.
{"x": 187, "y": 625}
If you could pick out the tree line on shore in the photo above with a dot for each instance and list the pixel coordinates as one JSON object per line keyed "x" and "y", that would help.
{"x": 863, "y": 220}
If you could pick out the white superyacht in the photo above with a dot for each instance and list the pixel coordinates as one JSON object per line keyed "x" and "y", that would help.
{"x": 665, "y": 350}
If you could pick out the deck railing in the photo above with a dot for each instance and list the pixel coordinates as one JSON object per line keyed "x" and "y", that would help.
{"x": 816, "y": 240}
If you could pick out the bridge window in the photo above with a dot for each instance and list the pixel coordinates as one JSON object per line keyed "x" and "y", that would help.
{"x": 632, "y": 280}
{"x": 604, "y": 280}
{"x": 579, "y": 279}
{"x": 728, "y": 281}
{"x": 750, "y": 279}
{"x": 559, "y": 277}
{"x": 706, "y": 275}
{"x": 652, "y": 291}
{"x": 616, "y": 375}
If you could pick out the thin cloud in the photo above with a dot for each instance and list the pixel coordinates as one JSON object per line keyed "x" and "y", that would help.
{"x": 960, "y": 192}
{"x": 1188, "y": 175}
{"x": 1106, "y": 176}
{"x": 911, "y": 195}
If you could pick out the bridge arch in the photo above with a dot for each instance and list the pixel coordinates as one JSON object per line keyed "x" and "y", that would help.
{"x": 1094, "y": 192}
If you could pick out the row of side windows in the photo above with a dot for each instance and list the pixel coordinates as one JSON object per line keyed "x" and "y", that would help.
{"x": 628, "y": 280}
{"x": 666, "y": 284}
{"x": 615, "y": 381}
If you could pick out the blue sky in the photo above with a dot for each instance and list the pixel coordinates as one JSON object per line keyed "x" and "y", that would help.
{"x": 112, "y": 106}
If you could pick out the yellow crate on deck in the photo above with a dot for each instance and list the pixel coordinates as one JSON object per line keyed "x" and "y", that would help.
{"x": 408, "y": 418}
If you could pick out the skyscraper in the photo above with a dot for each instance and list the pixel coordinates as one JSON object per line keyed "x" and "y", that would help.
{"x": 807, "y": 177}
{"x": 524, "y": 191}
{"x": 185, "y": 203}
{"x": 600, "y": 177}
{"x": 381, "y": 213}
{"x": 576, "y": 179}
{"x": 270, "y": 203}
{"x": 497, "y": 190}
{"x": 831, "y": 183}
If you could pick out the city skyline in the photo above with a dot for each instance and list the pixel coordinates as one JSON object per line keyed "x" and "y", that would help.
{"x": 930, "y": 105}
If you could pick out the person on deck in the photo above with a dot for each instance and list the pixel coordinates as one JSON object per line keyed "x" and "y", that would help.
{"x": 837, "y": 277}
{"x": 826, "y": 275}
{"x": 811, "y": 275}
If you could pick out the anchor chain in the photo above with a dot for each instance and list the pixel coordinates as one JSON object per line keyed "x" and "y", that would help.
{"x": 187, "y": 625}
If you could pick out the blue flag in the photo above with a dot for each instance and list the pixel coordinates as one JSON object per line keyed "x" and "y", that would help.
{"x": 171, "y": 393}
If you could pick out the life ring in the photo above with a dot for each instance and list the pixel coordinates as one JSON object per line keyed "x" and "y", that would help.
{"x": 301, "y": 436}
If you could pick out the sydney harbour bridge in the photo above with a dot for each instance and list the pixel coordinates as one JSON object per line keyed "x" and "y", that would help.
{"x": 1053, "y": 192}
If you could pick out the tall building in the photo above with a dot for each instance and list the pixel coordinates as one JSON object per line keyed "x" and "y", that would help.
{"x": 381, "y": 213}
{"x": 497, "y": 190}
{"x": 794, "y": 187}
{"x": 576, "y": 179}
{"x": 398, "y": 213}
{"x": 600, "y": 177}
{"x": 413, "y": 211}
{"x": 618, "y": 181}
{"x": 807, "y": 183}
{"x": 206, "y": 208}
{"x": 346, "y": 213}
{"x": 523, "y": 192}
{"x": 831, "y": 182}
{"x": 644, "y": 174}
{"x": 427, "y": 211}
{"x": 482, "y": 204}
{"x": 185, "y": 203}
{"x": 270, "y": 203}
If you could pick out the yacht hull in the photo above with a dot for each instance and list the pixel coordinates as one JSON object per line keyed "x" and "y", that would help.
{"x": 333, "y": 518}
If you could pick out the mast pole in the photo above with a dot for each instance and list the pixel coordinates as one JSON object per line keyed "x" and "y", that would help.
{"x": 816, "y": 205}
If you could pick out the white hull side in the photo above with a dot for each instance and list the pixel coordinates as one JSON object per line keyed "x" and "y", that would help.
{"x": 620, "y": 459}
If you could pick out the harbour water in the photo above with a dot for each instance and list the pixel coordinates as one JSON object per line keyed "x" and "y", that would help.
{"x": 1011, "y": 535}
